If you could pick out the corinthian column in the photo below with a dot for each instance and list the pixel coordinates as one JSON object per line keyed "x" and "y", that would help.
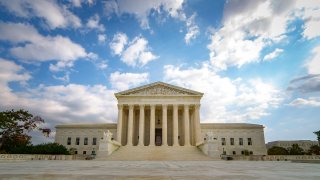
{"x": 141, "y": 125}
{"x": 197, "y": 124}
{"x": 164, "y": 125}
{"x": 119, "y": 126}
{"x": 186, "y": 125}
{"x": 152, "y": 124}
{"x": 130, "y": 125}
{"x": 175, "y": 125}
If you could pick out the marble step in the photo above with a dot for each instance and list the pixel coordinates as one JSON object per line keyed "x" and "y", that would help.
{"x": 167, "y": 153}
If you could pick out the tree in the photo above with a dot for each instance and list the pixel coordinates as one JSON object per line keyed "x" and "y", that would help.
{"x": 315, "y": 149}
{"x": 318, "y": 136}
{"x": 48, "y": 148}
{"x": 276, "y": 150}
{"x": 296, "y": 150}
{"x": 14, "y": 128}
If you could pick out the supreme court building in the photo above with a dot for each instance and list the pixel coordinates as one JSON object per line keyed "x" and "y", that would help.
{"x": 163, "y": 115}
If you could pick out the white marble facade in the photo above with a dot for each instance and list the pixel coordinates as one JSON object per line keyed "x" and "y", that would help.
{"x": 161, "y": 114}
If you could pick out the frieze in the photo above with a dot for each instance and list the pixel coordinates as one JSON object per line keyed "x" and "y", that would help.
{"x": 158, "y": 90}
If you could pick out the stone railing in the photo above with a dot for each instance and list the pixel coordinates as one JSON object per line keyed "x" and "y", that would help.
{"x": 13, "y": 157}
{"x": 275, "y": 157}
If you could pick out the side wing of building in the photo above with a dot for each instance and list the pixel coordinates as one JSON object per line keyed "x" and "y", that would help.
{"x": 84, "y": 138}
{"x": 236, "y": 138}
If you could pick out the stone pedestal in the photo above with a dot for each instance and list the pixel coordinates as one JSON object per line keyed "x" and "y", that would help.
{"x": 210, "y": 146}
{"x": 107, "y": 146}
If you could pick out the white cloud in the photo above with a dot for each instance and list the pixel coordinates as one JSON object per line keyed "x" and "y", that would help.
{"x": 102, "y": 38}
{"x": 313, "y": 102}
{"x": 250, "y": 26}
{"x": 72, "y": 103}
{"x": 93, "y": 23}
{"x": 141, "y": 9}
{"x": 76, "y": 3}
{"x": 123, "y": 81}
{"x": 54, "y": 15}
{"x": 192, "y": 29}
{"x": 309, "y": 11}
{"x": 31, "y": 47}
{"x": 138, "y": 53}
{"x": 225, "y": 100}
{"x": 118, "y": 42}
{"x": 313, "y": 65}
{"x": 10, "y": 71}
{"x": 273, "y": 54}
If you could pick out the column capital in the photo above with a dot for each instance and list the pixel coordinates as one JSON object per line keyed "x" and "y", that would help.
{"x": 131, "y": 106}
{"x": 164, "y": 105}
{"x": 186, "y": 105}
{"x": 142, "y": 105}
{"x": 197, "y": 105}
{"x": 120, "y": 106}
{"x": 175, "y": 105}
{"x": 152, "y": 105}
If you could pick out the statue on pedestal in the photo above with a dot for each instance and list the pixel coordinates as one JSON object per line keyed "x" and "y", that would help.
{"x": 107, "y": 136}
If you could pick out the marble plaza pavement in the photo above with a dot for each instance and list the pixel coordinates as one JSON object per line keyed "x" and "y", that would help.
{"x": 158, "y": 170}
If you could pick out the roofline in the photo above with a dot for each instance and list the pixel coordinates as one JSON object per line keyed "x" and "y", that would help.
{"x": 98, "y": 125}
{"x": 119, "y": 94}
{"x": 231, "y": 125}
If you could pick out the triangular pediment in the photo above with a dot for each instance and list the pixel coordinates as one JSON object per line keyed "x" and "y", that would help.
{"x": 159, "y": 88}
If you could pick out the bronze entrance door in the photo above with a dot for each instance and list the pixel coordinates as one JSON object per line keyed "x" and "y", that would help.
{"x": 158, "y": 137}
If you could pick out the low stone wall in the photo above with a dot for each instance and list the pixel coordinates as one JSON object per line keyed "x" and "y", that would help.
{"x": 13, "y": 157}
{"x": 276, "y": 157}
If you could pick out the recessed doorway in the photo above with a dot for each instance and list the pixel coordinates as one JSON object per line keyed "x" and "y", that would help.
{"x": 158, "y": 137}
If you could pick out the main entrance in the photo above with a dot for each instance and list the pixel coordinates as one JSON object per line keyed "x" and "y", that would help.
{"x": 158, "y": 138}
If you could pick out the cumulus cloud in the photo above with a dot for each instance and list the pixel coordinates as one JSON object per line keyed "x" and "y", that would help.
{"x": 118, "y": 42}
{"x": 102, "y": 38}
{"x": 138, "y": 53}
{"x": 135, "y": 53}
{"x": 225, "y": 100}
{"x": 273, "y": 54}
{"x": 192, "y": 29}
{"x": 72, "y": 103}
{"x": 55, "y": 16}
{"x": 141, "y": 9}
{"x": 30, "y": 46}
{"x": 250, "y": 26}
{"x": 123, "y": 81}
{"x": 305, "y": 84}
{"x": 94, "y": 23}
{"x": 313, "y": 65}
{"x": 310, "y": 82}
{"x": 313, "y": 102}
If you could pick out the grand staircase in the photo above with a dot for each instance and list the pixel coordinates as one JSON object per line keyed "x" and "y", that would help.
{"x": 157, "y": 153}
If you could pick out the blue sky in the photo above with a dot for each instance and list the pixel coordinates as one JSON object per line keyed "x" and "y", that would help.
{"x": 257, "y": 61}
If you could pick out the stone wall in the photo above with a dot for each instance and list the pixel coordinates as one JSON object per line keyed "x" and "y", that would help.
{"x": 276, "y": 157}
{"x": 9, "y": 157}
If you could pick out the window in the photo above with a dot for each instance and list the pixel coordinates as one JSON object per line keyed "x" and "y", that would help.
{"x": 94, "y": 141}
{"x": 251, "y": 153}
{"x": 69, "y": 141}
{"x": 242, "y": 152}
{"x": 85, "y": 142}
{"x": 232, "y": 141}
{"x": 75, "y": 152}
{"x": 93, "y": 152}
{"x": 249, "y": 141}
{"x": 77, "y": 141}
{"x": 84, "y": 152}
{"x": 234, "y": 152}
{"x": 240, "y": 141}
{"x": 223, "y": 141}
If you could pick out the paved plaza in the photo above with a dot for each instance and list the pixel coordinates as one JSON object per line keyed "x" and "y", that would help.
{"x": 158, "y": 170}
